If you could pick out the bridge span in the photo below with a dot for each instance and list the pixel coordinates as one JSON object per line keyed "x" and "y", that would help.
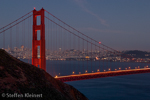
{"x": 76, "y": 77}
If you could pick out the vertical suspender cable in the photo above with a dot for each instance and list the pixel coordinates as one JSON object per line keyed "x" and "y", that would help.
{"x": 83, "y": 58}
{"x": 103, "y": 58}
{"x": 48, "y": 50}
{"x": 78, "y": 53}
{"x": 4, "y": 39}
{"x": 10, "y": 38}
{"x": 99, "y": 59}
{"x": 91, "y": 56}
{"x": 87, "y": 56}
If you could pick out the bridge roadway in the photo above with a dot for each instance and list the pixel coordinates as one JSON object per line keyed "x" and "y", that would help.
{"x": 101, "y": 74}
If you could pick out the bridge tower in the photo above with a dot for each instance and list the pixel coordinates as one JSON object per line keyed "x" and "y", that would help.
{"x": 38, "y": 61}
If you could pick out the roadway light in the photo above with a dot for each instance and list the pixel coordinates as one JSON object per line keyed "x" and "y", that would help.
{"x": 126, "y": 68}
{"x": 115, "y": 69}
{"x": 129, "y": 67}
{"x": 72, "y": 72}
{"x": 104, "y": 70}
{"x": 97, "y": 70}
{"x": 85, "y": 71}
{"x": 56, "y": 76}
{"x": 119, "y": 68}
{"x": 92, "y": 71}
{"x": 79, "y": 72}
{"x": 109, "y": 69}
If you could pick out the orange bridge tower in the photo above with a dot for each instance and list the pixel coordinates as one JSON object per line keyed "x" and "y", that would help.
{"x": 38, "y": 61}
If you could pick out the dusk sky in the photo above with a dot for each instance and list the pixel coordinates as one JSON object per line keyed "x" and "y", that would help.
{"x": 120, "y": 24}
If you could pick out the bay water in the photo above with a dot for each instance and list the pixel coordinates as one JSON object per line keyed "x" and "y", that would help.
{"x": 127, "y": 87}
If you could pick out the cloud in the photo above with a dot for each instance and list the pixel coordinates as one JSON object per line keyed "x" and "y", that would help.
{"x": 82, "y": 3}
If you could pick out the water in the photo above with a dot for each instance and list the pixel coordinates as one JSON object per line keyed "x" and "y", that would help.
{"x": 128, "y": 87}
{"x": 62, "y": 68}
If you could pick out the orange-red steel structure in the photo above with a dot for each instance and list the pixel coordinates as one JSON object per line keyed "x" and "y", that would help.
{"x": 41, "y": 61}
{"x": 101, "y": 74}
{"x": 77, "y": 46}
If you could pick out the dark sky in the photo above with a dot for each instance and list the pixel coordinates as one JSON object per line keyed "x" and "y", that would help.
{"x": 120, "y": 24}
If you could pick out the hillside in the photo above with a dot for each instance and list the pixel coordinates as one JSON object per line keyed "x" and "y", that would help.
{"x": 138, "y": 54}
{"x": 20, "y": 80}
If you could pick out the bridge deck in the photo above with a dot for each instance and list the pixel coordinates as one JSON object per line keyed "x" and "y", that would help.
{"x": 101, "y": 74}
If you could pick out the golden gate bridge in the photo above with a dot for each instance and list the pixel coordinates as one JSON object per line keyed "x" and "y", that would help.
{"x": 52, "y": 39}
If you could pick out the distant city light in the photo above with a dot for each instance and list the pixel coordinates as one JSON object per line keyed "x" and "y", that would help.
{"x": 147, "y": 66}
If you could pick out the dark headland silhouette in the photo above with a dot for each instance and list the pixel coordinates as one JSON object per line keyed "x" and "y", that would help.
{"x": 20, "y": 80}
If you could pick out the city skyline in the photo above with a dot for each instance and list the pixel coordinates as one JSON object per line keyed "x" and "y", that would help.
{"x": 122, "y": 25}
{"x": 82, "y": 55}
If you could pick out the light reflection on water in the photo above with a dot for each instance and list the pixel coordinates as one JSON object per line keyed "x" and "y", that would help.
{"x": 128, "y": 87}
